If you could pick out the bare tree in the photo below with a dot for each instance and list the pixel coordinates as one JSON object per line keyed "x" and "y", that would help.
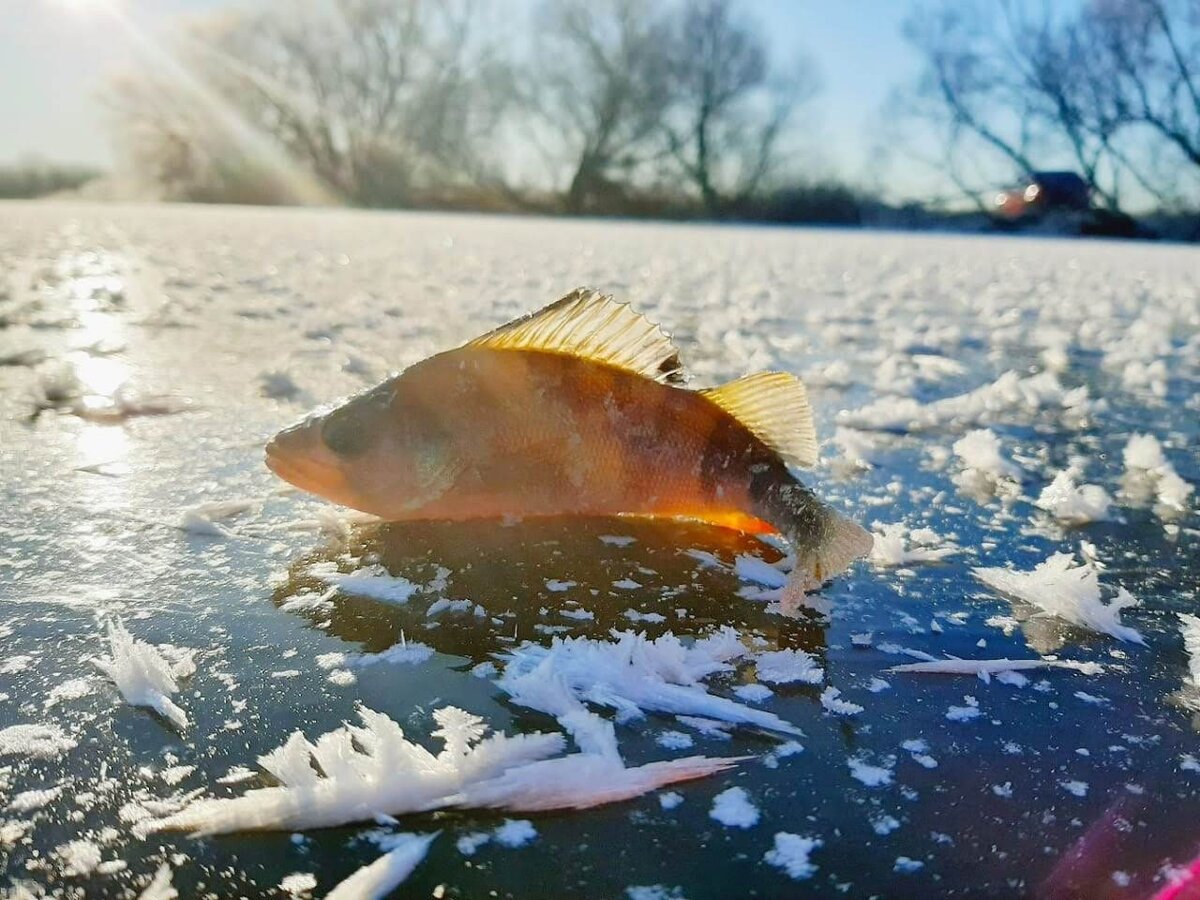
{"x": 599, "y": 82}
{"x": 373, "y": 97}
{"x": 1015, "y": 83}
{"x": 729, "y": 111}
{"x": 1151, "y": 50}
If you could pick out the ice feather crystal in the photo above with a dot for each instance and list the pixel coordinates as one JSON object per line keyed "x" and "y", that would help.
{"x": 1069, "y": 591}
{"x": 358, "y": 772}
{"x": 143, "y": 675}
{"x": 380, "y": 878}
{"x": 633, "y": 675}
{"x": 592, "y": 777}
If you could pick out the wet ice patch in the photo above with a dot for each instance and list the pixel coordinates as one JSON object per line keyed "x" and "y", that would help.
{"x": 142, "y": 675}
{"x": 1061, "y": 588}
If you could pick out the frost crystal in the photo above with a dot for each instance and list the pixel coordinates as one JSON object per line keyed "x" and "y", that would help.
{"x": 634, "y": 675}
{"x": 1074, "y": 504}
{"x": 37, "y": 741}
{"x": 791, "y": 853}
{"x": 1059, "y": 587}
{"x": 358, "y": 773}
{"x": 890, "y": 548}
{"x": 142, "y": 675}
{"x": 733, "y": 809}
{"x": 380, "y": 878}
{"x": 785, "y": 666}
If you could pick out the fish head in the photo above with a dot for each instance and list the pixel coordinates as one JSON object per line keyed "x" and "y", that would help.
{"x": 379, "y": 452}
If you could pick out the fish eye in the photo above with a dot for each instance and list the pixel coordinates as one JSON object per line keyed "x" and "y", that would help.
{"x": 350, "y": 429}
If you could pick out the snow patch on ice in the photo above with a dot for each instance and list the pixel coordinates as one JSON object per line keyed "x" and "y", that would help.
{"x": 792, "y": 853}
{"x": 891, "y": 546}
{"x": 1075, "y": 504}
{"x": 733, "y": 809}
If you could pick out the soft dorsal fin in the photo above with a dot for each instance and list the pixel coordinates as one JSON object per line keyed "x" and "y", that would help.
{"x": 593, "y": 326}
{"x": 773, "y": 405}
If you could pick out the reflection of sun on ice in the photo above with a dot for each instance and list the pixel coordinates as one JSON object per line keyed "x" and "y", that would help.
{"x": 100, "y": 376}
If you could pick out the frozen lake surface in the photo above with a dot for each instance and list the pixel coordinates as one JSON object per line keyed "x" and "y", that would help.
{"x": 976, "y": 386}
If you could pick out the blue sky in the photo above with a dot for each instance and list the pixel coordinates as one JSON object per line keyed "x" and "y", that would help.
{"x": 56, "y": 54}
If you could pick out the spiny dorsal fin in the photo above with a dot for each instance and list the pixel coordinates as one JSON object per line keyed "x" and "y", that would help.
{"x": 774, "y": 405}
{"x": 593, "y": 326}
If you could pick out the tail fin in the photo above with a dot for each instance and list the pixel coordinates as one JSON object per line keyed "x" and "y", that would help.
{"x": 845, "y": 542}
{"x": 825, "y": 542}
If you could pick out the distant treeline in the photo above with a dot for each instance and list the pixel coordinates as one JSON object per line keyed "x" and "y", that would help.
{"x": 659, "y": 108}
{"x": 627, "y": 107}
{"x": 26, "y": 180}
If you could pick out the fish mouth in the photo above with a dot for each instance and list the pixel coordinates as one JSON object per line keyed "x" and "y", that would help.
{"x": 303, "y": 471}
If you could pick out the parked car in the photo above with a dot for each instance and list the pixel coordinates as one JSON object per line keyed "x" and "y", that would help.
{"x": 1044, "y": 193}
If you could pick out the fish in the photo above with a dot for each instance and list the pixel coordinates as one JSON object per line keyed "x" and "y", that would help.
{"x": 578, "y": 409}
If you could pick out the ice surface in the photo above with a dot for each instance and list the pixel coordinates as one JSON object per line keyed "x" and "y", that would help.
{"x": 887, "y": 318}
{"x": 142, "y": 675}
{"x": 387, "y": 873}
{"x": 792, "y": 853}
{"x": 1069, "y": 591}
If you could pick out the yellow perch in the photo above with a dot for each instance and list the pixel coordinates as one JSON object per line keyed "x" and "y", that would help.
{"x": 578, "y": 409}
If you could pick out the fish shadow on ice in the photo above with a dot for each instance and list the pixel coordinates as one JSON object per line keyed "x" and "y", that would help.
{"x": 538, "y": 578}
